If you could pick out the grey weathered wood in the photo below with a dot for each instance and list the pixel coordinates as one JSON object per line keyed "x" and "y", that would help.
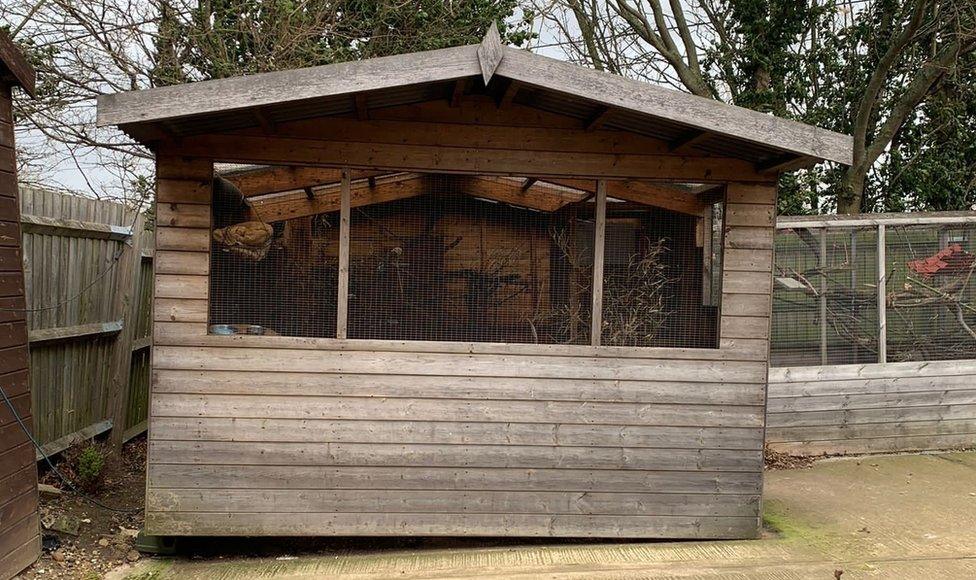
{"x": 410, "y": 455}
{"x": 93, "y": 330}
{"x": 872, "y": 408}
{"x": 342, "y": 302}
{"x": 447, "y": 478}
{"x": 882, "y": 289}
{"x": 419, "y": 409}
{"x": 822, "y": 316}
{"x": 127, "y": 307}
{"x": 290, "y": 85}
{"x": 392, "y": 385}
{"x": 599, "y": 241}
{"x": 874, "y": 219}
{"x": 448, "y": 433}
{"x": 32, "y": 224}
{"x": 490, "y": 53}
{"x": 332, "y": 524}
{"x": 52, "y": 448}
{"x": 418, "y": 501}
{"x": 450, "y": 64}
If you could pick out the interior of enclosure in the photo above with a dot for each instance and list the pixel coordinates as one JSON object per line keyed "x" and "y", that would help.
{"x": 466, "y": 258}
{"x": 826, "y": 294}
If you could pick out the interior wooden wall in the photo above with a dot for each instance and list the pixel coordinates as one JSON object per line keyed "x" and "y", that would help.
{"x": 20, "y": 541}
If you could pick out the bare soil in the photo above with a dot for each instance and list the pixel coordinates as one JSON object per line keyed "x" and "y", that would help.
{"x": 105, "y": 538}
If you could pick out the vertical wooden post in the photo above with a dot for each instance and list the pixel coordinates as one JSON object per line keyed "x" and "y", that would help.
{"x": 342, "y": 305}
{"x": 823, "y": 296}
{"x": 599, "y": 238}
{"x": 882, "y": 298}
{"x": 125, "y": 305}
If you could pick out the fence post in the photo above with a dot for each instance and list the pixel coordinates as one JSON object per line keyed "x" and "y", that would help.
{"x": 823, "y": 295}
{"x": 882, "y": 296}
{"x": 125, "y": 305}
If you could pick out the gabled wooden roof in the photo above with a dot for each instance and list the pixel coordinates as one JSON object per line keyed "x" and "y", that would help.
{"x": 599, "y": 99}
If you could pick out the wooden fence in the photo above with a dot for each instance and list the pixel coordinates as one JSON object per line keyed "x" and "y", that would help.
{"x": 898, "y": 393}
{"x": 89, "y": 322}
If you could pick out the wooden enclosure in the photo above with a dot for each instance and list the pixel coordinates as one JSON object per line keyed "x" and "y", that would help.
{"x": 20, "y": 538}
{"x": 900, "y": 376}
{"x": 338, "y": 435}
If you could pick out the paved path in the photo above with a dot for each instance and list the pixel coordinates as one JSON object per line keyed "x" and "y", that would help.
{"x": 906, "y": 517}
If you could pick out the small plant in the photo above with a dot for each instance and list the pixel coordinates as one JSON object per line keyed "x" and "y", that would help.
{"x": 90, "y": 464}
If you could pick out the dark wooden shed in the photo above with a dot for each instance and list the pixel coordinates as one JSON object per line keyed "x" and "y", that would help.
{"x": 20, "y": 540}
{"x": 468, "y": 291}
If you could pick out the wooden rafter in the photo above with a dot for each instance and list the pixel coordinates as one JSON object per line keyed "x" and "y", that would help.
{"x": 509, "y": 95}
{"x": 278, "y": 178}
{"x": 782, "y": 163}
{"x": 267, "y": 125}
{"x": 362, "y": 106}
{"x": 688, "y": 141}
{"x": 529, "y": 182}
{"x": 460, "y": 86}
{"x": 328, "y": 198}
{"x": 643, "y": 192}
{"x": 599, "y": 119}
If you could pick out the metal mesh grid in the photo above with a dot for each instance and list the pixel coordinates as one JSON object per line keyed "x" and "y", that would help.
{"x": 825, "y": 308}
{"x": 465, "y": 258}
{"x": 283, "y": 285}
{"x": 658, "y": 278}
{"x": 457, "y": 263}
{"x": 931, "y": 293}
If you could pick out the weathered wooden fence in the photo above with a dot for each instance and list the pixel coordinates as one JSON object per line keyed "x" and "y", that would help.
{"x": 88, "y": 276}
{"x": 873, "y": 342}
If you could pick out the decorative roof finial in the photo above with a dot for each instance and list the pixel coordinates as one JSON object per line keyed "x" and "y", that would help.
{"x": 490, "y": 52}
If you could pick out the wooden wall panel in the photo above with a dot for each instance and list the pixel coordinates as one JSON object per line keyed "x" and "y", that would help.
{"x": 19, "y": 529}
{"x": 294, "y": 436}
{"x": 872, "y": 408}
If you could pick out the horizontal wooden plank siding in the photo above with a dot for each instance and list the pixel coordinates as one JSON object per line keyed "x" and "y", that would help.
{"x": 872, "y": 408}
{"x": 268, "y": 435}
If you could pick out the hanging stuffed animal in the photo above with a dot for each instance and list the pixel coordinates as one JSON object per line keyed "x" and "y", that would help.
{"x": 249, "y": 239}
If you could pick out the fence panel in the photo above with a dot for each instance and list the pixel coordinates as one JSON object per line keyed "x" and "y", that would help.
{"x": 857, "y": 348}
{"x": 70, "y": 243}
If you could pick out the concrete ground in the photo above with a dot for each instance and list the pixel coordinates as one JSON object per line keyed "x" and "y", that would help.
{"x": 906, "y": 516}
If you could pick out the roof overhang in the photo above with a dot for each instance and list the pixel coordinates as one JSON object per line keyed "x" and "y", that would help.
{"x": 682, "y": 118}
{"x": 14, "y": 66}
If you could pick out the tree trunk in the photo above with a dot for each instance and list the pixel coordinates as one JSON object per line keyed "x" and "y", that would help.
{"x": 850, "y": 194}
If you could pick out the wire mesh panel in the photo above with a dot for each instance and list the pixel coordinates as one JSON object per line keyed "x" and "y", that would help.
{"x": 658, "y": 276}
{"x": 825, "y": 308}
{"x": 466, "y": 258}
{"x": 931, "y": 294}
{"x": 473, "y": 258}
{"x": 277, "y": 278}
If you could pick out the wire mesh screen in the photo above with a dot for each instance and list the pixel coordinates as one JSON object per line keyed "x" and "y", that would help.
{"x": 658, "y": 277}
{"x": 459, "y": 263}
{"x": 825, "y": 306}
{"x": 931, "y": 294}
{"x": 465, "y": 258}
{"x": 277, "y": 278}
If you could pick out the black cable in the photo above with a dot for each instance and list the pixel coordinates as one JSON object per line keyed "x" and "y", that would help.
{"x": 68, "y": 482}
